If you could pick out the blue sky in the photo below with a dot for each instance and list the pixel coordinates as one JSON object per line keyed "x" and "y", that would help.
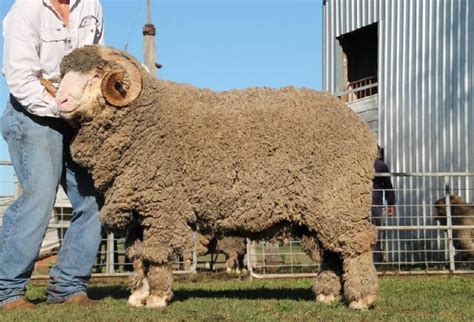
{"x": 219, "y": 44}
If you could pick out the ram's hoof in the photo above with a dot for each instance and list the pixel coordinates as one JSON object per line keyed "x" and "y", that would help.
{"x": 158, "y": 302}
{"x": 139, "y": 296}
{"x": 327, "y": 299}
{"x": 364, "y": 303}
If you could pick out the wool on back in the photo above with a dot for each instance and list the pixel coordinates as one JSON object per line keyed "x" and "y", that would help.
{"x": 241, "y": 160}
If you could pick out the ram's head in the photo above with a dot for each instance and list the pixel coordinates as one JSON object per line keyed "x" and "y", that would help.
{"x": 441, "y": 208}
{"x": 95, "y": 77}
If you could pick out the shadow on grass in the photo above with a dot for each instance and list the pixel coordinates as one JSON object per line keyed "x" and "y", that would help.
{"x": 298, "y": 294}
{"x": 116, "y": 292}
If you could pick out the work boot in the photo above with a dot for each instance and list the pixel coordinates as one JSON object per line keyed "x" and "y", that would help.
{"x": 81, "y": 299}
{"x": 20, "y": 304}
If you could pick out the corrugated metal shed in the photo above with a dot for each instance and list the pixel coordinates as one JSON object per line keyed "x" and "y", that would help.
{"x": 426, "y": 69}
{"x": 425, "y": 79}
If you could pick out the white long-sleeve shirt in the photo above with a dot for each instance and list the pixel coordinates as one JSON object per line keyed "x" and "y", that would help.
{"x": 35, "y": 41}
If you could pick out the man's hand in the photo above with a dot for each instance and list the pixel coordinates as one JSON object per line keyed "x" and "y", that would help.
{"x": 390, "y": 211}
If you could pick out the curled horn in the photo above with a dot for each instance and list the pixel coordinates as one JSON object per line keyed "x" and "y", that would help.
{"x": 122, "y": 86}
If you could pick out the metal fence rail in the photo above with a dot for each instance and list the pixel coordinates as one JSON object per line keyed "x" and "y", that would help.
{"x": 359, "y": 89}
{"x": 409, "y": 242}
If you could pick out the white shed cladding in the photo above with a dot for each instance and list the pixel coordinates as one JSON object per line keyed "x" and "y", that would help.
{"x": 421, "y": 105}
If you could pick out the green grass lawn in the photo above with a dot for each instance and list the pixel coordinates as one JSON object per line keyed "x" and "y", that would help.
{"x": 203, "y": 298}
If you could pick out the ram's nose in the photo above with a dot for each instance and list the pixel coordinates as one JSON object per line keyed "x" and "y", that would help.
{"x": 62, "y": 102}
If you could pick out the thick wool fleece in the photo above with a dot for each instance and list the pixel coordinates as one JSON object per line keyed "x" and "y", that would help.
{"x": 82, "y": 61}
{"x": 241, "y": 162}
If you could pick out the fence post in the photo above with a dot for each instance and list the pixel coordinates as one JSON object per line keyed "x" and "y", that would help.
{"x": 250, "y": 262}
{"x": 452, "y": 266}
{"x": 110, "y": 253}
{"x": 195, "y": 257}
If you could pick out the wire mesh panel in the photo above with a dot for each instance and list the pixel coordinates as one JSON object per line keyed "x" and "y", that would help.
{"x": 279, "y": 259}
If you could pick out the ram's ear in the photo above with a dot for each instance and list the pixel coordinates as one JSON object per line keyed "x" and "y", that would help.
{"x": 120, "y": 87}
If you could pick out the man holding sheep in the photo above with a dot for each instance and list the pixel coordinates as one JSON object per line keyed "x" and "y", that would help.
{"x": 37, "y": 35}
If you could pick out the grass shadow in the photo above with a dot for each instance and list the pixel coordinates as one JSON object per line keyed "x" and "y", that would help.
{"x": 299, "y": 294}
{"x": 116, "y": 292}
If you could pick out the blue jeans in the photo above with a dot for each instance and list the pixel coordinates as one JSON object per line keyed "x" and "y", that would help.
{"x": 39, "y": 152}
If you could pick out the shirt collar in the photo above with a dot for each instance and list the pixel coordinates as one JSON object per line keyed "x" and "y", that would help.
{"x": 72, "y": 3}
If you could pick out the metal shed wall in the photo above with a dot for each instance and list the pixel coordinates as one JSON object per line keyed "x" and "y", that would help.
{"x": 425, "y": 82}
{"x": 426, "y": 69}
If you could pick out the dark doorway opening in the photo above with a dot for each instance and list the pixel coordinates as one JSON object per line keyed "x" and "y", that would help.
{"x": 360, "y": 62}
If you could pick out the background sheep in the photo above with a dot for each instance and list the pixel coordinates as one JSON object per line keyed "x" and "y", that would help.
{"x": 170, "y": 158}
{"x": 462, "y": 214}
{"x": 233, "y": 248}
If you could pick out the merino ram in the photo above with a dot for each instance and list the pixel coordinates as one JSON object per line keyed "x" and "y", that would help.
{"x": 170, "y": 158}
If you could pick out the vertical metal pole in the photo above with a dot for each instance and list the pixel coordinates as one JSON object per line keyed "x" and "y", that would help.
{"x": 383, "y": 223}
{"x": 291, "y": 257}
{"x": 399, "y": 246}
{"x": 452, "y": 266}
{"x": 110, "y": 253}
{"x": 148, "y": 16}
{"x": 149, "y": 48}
{"x": 249, "y": 259}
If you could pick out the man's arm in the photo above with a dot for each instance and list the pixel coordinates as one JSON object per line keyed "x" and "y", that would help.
{"x": 385, "y": 183}
{"x": 388, "y": 188}
{"x": 21, "y": 65}
{"x": 100, "y": 27}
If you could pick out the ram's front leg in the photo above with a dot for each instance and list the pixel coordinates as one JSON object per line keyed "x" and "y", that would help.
{"x": 116, "y": 217}
{"x": 164, "y": 235}
{"x": 139, "y": 283}
{"x": 120, "y": 205}
{"x": 160, "y": 280}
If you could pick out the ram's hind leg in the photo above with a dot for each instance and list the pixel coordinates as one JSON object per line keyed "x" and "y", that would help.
{"x": 328, "y": 285}
{"x": 353, "y": 235}
{"x": 360, "y": 277}
{"x": 360, "y": 281}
